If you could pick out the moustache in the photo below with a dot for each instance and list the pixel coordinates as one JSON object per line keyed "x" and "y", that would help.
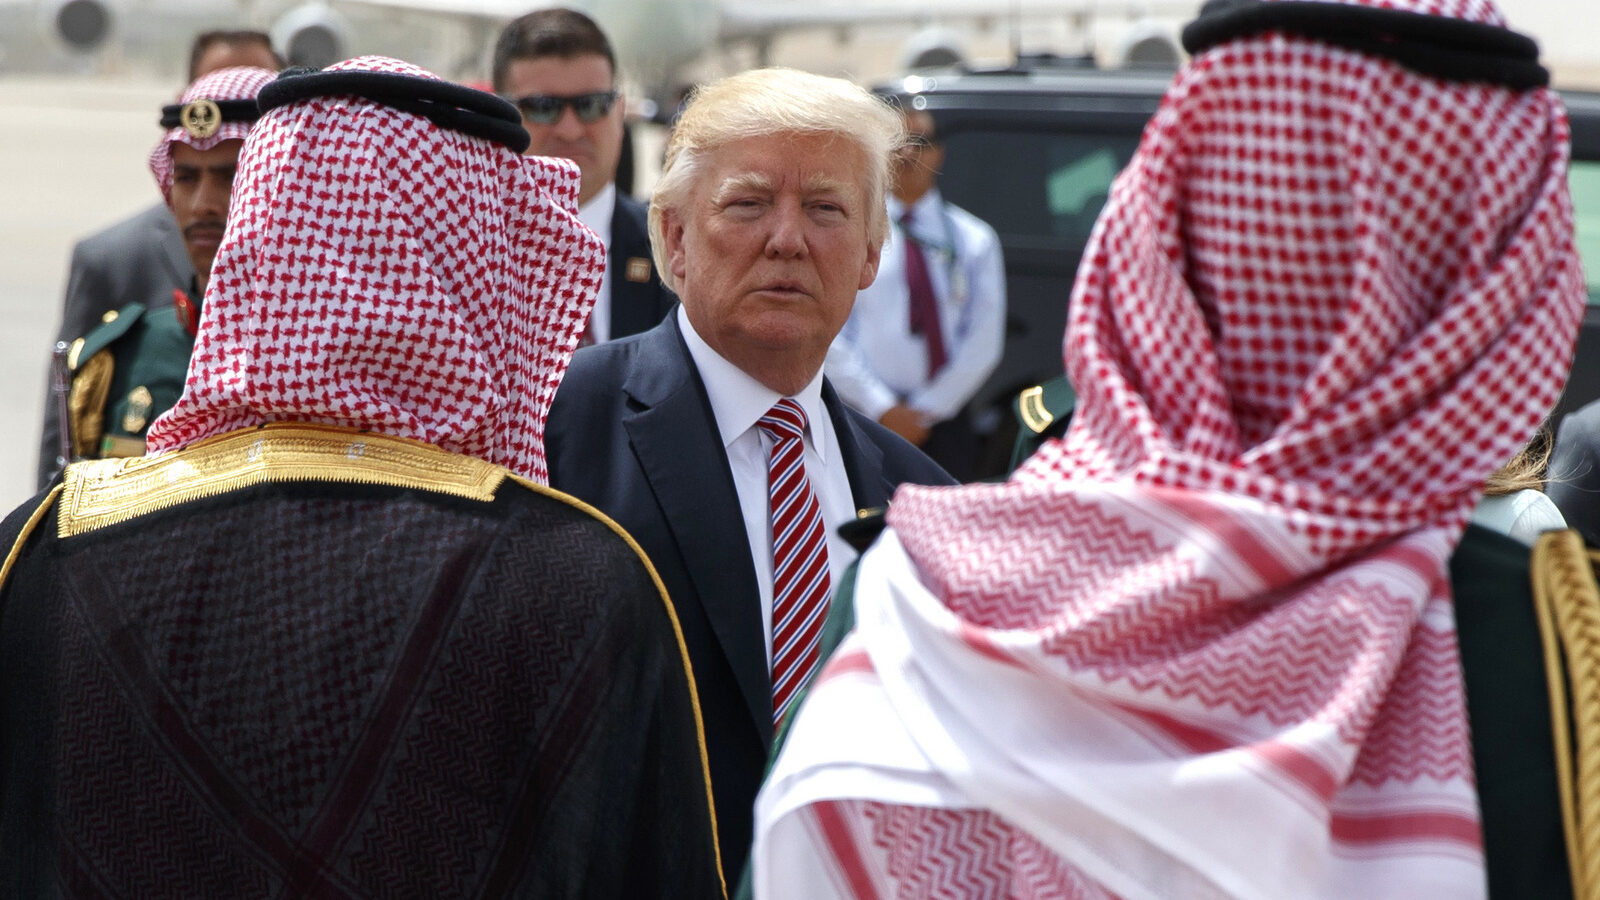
{"x": 207, "y": 228}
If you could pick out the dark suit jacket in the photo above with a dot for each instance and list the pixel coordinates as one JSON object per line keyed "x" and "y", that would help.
{"x": 635, "y": 305}
{"x": 1573, "y": 476}
{"x": 138, "y": 260}
{"x": 1513, "y": 747}
{"x": 631, "y": 431}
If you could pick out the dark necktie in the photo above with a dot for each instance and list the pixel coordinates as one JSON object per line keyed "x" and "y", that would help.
{"x": 800, "y": 581}
{"x": 924, "y": 307}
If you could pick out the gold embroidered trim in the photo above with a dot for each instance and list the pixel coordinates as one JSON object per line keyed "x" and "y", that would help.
{"x": 86, "y": 402}
{"x": 677, "y": 631}
{"x": 109, "y": 491}
{"x": 1035, "y": 414}
{"x": 1567, "y": 604}
{"x": 27, "y": 529}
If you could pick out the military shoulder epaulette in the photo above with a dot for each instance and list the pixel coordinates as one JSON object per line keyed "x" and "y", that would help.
{"x": 113, "y": 325}
{"x": 1042, "y": 413}
{"x": 1041, "y": 405}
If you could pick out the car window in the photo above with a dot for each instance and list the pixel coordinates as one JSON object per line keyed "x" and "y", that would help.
{"x": 1079, "y": 188}
{"x": 1051, "y": 186}
{"x": 1584, "y": 181}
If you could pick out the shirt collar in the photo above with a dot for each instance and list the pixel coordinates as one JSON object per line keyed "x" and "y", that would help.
{"x": 923, "y": 212}
{"x": 596, "y": 214}
{"x": 738, "y": 401}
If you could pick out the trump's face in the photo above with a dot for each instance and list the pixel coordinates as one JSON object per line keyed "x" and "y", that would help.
{"x": 770, "y": 248}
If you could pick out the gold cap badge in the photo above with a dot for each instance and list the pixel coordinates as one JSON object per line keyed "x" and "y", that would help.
{"x": 638, "y": 269}
{"x": 138, "y": 412}
{"x": 201, "y": 118}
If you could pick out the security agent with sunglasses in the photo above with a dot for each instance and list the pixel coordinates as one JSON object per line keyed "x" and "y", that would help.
{"x": 558, "y": 68}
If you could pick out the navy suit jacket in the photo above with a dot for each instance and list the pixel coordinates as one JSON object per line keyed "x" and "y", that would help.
{"x": 636, "y": 305}
{"x": 138, "y": 260}
{"x": 631, "y": 431}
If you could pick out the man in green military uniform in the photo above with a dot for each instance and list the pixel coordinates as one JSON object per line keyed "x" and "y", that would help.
{"x": 131, "y": 367}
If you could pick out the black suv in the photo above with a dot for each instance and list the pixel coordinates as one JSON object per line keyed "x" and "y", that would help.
{"x": 1032, "y": 149}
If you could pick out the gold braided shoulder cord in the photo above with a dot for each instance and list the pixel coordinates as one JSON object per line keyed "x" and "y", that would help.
{"x": 677, "y": 631}
{"x": 86, "y": 403}
{"x": 1567, "y": 603}
{"x": 28, "y": 527}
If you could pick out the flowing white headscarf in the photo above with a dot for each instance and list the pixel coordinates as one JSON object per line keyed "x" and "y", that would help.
{"x": 1203, "y": 646}
{"x": 382, "y": 272}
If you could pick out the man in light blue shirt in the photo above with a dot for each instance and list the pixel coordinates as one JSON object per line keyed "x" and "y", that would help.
{"x": 925, "y": 335}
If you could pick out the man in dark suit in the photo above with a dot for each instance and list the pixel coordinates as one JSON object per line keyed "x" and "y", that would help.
{"x": 139, "y": 257}
{"x": 558, "y": 67}
{"x": 767, "y": 220}
{"x": 143, "y": 256}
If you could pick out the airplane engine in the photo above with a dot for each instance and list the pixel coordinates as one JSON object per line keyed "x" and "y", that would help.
{"x": 1148, "y": 44}
{"x": 655, "y": 38}
{"x": 932, "y": 47}
{"x": 311, "y": 35}
{"x": 81, "y": 26}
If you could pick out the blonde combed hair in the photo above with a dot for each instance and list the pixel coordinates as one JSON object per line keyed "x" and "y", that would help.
{"x": 773, "y": 101}
{"x": 1525, "y": 471}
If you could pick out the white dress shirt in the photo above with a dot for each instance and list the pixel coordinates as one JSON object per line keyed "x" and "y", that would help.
{"x": 876, "y": 362}
{"x": 738, "y": 402}
{"x": 1522, "y": 515}
{"x": 597, "y": 215}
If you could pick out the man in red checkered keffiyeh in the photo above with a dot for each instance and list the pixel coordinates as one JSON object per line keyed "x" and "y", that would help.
{"x": 342, "y": 296}
{"x": 198, "y": 122}
{"x": 335, "y": 638}
{"x": 1203, "y": 645}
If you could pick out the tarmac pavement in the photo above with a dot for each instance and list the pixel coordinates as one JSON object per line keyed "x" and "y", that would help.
{"x": 72, "y": 160}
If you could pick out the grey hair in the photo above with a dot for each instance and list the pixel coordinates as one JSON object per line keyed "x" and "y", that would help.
{"x": 763, "y": 102}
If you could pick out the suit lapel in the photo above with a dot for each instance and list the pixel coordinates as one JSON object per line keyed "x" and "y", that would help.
{"x": 863, "y": 459}
{"x": 633, "y": 302}
{"x": 674, "y": 431}
{"x": 173, "y": 254}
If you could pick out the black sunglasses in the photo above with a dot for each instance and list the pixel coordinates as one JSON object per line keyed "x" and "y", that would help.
{"x": 545, "y": 109}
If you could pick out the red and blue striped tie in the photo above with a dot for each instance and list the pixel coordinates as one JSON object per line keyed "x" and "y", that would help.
{"x": 800, "y": 582}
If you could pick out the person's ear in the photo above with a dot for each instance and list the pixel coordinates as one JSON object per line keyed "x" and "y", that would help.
{"x": 672, "y": 236}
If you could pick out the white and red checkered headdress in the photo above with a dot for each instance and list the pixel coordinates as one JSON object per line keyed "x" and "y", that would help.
{"x": 385, "y": 272}
{"x": 216, "y": 107}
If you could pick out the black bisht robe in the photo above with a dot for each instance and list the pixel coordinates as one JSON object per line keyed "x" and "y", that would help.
{"x": 302, "y": 661}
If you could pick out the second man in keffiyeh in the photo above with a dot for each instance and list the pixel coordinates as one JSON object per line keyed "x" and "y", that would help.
{"x": 1203, "y": 645}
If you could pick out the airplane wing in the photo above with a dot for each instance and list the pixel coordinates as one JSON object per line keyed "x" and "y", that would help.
{"x": 467, "y": 9}
{"x": 746, "y": 19}
{"x": 656, "y": 40}
{"x": 745, "y": 16}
